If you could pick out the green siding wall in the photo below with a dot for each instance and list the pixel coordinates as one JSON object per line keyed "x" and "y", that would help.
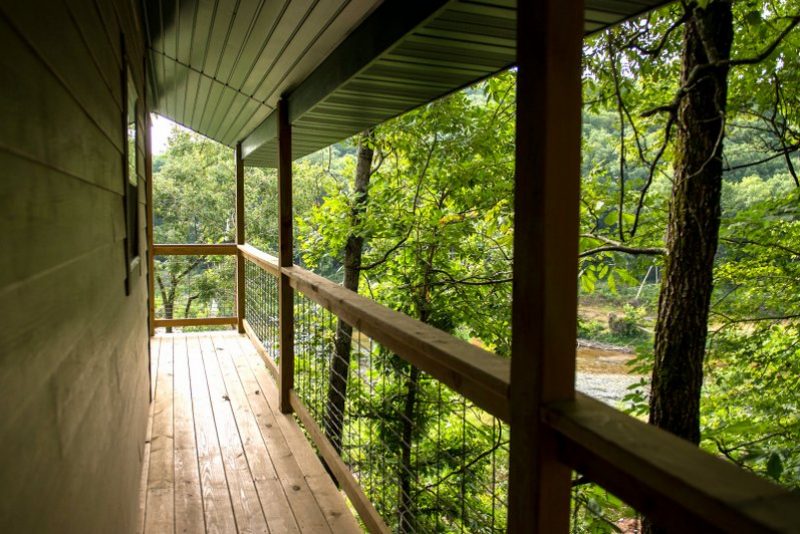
{"x": 74, "y": 387}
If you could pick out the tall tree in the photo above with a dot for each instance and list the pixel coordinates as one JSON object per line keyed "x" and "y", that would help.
{"x": 693, "y": 228}
{"x": 340, "y": 366}
{"x": 630, "y": 71}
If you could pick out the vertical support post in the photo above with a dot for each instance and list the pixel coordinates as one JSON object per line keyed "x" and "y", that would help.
{"x": 546, "y": 207}
{"x": 240, "y": 296}
{"x": 285, "y": 256}
{"x": 148, "y": 188}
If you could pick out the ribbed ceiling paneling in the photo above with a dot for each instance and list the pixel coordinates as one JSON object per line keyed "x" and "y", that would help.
{"x": 220, "y": 66}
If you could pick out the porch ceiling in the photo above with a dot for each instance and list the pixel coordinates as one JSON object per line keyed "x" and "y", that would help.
{"x": 219, "y": 66}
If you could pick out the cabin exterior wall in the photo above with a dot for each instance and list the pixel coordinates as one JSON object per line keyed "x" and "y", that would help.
{"x": 74, "y": 388}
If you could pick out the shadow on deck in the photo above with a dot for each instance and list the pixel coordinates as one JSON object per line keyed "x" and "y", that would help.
{"x": 220, "y": 456}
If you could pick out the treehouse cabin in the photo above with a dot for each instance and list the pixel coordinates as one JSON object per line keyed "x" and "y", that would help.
{"x": 110, "y": 425}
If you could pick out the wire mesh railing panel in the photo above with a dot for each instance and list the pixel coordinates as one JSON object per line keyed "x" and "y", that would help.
{"x": 261, "y": 306}
{"x": 194, "y": 286}
{"x": 428, "y": 459}
{"x": 595, "y": 509}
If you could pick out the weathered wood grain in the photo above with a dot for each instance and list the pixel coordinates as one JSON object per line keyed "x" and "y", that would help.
{"x": 544, "y": 301}
{"x": 186, "y": 475}
{"x": 244, "y": 497}
{"x": 273, "y": 499}
{"x": 160, "y": 479}
{"x": 665, "y": 477}
{"x": 263, "y": 396}
{"x": 217, "y": 505}
{"x": 182, "y": 249}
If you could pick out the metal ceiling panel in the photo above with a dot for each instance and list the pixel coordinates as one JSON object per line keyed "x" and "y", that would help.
{"x": 219, "y": 66}
{"x": 462, "y": 42}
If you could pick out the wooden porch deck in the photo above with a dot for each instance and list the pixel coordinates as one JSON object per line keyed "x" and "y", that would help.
{"x": 221, "y": 457}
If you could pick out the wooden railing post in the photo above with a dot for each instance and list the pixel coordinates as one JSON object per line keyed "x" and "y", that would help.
{"x": 285, "y": 256}
{"x": 240, "y": 296}
{"x": 148, "y": 172}
{"x": 546, "y": 207}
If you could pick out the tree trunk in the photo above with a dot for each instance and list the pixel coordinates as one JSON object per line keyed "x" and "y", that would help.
{"x": 340, "y": 366}
{"x": 692, "y": 232}
{"x": 406, "y": 505}
{"x": 169, "y": 307}
{"x": 168, "y": 299}
{"x": 188, "y": 307}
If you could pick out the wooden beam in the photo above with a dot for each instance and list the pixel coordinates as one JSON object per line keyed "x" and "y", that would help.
{"x": 240, "y": 286}
{"x": 379, "y": 32}
{"x": 263, "y": 134}
{"x": 544, "y": 299}
{"x": 266, "y": 261}
{"x": 285, "y": 256}
{"x": 664, "y": 477}
{"x": 197, "y": 321}
{"x": 148, "y": 172}
{"x": 480, "y": 376}
{"x": 366, "y": 511}
{"x": 221, "y": 249}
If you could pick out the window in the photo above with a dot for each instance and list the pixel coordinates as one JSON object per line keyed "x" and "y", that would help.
{"x": 131, "y": 170}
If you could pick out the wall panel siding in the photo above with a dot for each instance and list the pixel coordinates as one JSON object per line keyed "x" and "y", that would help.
{"x": 73, "y": 347}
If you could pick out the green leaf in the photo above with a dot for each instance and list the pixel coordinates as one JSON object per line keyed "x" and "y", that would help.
{"x": 774, "y": 466}
{"x": 753, "y": 18}
{"x": 612, "y": 283}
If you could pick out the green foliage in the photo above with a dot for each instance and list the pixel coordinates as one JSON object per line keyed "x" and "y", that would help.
{"x": 438, "y": 225}
{"x": 751, "y": 407}
{"x": 438, "y": 237}
{"x": 596, "y": 511}
{"x": 193, "y": 191}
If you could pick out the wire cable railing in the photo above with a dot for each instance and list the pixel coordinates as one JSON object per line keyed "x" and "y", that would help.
{"x": 427, "y": 458}
{"x": 193, "y": 286}
{"x": 261, "y": 306}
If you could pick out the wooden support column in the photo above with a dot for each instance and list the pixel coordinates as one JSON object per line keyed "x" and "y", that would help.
{"x": 285, "y": 256}
{"x": 546, "y": 206}
{"x": 148, "y": 188}
{"x": 240, "y": 296}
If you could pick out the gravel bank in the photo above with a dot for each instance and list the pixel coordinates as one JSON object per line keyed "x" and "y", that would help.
{"x": 609, "y": 388}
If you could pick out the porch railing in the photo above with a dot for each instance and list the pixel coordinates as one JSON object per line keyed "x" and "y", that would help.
{"x": 380, "y": 441}
{"x": 194, "y": 285}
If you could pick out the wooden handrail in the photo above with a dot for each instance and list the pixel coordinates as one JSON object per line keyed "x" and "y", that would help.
{"x": 196, "y": 321}
{"x": 266, "y": 261}
{"x": 665, "y": 477}
{"x": 219, "y": 249}
{"x": 479, "y": 375}
{"x": 191, "y": 249}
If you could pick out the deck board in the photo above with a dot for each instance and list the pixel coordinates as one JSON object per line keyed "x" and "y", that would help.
{"x": 160, "y": 487}
{"x": 188, "y": 497}
{"x": 221, "y": 457}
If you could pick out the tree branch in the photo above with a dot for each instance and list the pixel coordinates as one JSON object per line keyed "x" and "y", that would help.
{"x": 759, "y": 244}
{"x": 615, "y": 246}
